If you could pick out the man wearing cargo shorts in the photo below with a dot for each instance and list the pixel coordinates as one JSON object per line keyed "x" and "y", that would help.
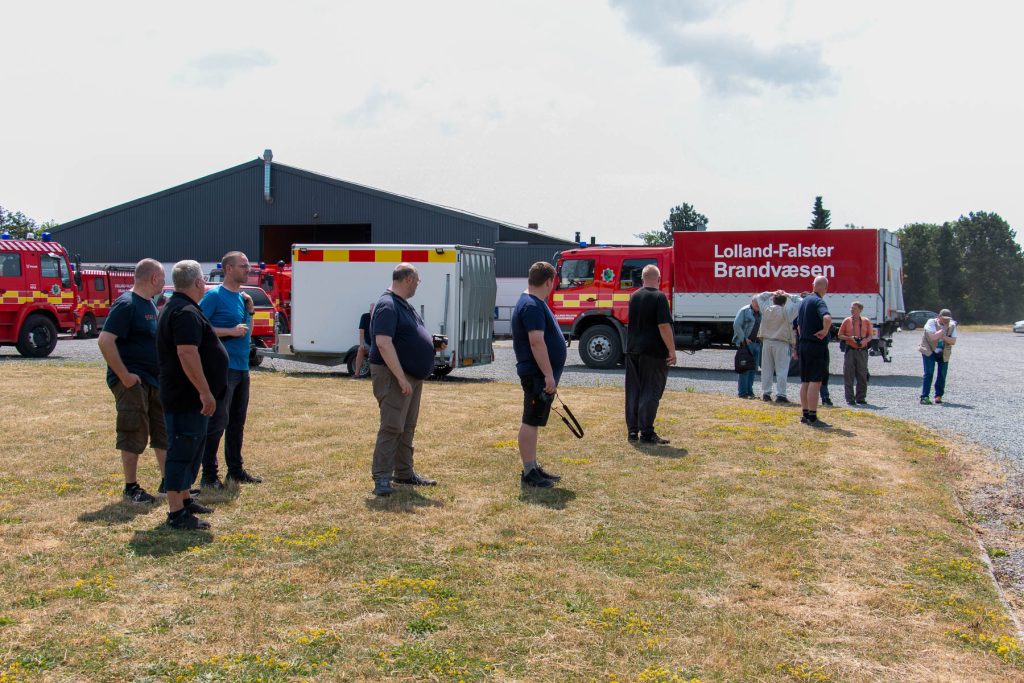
{"x": 128, "y": 344}
{"x": 401, "y": 357}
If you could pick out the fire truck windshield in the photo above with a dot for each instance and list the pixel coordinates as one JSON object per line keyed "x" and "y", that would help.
{"x": 576, "y": 273}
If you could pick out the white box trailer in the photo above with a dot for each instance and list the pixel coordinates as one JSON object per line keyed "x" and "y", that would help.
{"x": 334, "y": 284}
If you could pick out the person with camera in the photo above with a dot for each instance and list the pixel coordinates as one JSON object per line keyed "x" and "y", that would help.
{"x": 855, "y": 334}
{"x": 401, "y": 357}
{"x": 540, "y": 357}
{"x": 936, "y": 347}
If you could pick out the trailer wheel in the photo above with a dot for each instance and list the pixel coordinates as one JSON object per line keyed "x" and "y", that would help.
{"x": 88, "y": 328}
{"x": 600, "y": 347}
{"x": 442, "y": 371}
{"x": 37, "y": 338}
{"x": 255, "y": 359}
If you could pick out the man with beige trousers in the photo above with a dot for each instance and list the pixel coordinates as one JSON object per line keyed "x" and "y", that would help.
{"x": 778, "y": 311}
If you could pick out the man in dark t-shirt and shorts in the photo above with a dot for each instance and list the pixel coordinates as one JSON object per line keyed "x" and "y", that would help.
{"x": 813, "y": 326}
{"x": 540, "y": 357}
{"x": 128, "y": 344}
{"x": 650, "y": 350}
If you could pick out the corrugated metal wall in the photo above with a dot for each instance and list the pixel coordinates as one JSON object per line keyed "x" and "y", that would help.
{"x": 514, "y": 260}
{"x": 208, "y": 217}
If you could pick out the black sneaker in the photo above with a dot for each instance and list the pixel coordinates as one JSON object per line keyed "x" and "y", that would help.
{"x": 212, "y": 484}
{"x": 243, "y": 477}
{"x": 548, "y": 475}
{"x": 163, "y": 489}
{"x": 196, "y": 508}
{"x": 633, "y": 437}
{"x": 187, "y": 521}
{"x": 137, "y": 494}
{"x": 804, "y": 419}
{"x": 536, "y": 479}
{"x": 781, "y": 399}
{"x": 862, "y": 403}
{"x": 826, "y": 402}
{"x": 382, "y": 488}
{"x": 655, "y": 439}
{"x": 767, "y": 398}
{"x": 416, "y": 480}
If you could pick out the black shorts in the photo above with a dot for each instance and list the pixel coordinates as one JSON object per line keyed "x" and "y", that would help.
{"x": 536, "y": 404}
{"x": 813, "y": 361}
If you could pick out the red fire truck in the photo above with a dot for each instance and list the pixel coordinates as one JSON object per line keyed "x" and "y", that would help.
{"x": 100, "y": 287}
{"x": 709, "y": 276}
{"x": 276, "y": 281}
{"x": 38, "y": 295}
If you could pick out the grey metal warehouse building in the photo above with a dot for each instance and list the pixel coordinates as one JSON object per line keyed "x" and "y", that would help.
{"x": 262, "y": 208}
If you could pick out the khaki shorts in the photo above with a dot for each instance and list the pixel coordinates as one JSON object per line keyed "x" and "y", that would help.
{"x": 140, "y": 417}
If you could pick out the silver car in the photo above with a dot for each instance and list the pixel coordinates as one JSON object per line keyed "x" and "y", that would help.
{"x": 1019, "y": 326}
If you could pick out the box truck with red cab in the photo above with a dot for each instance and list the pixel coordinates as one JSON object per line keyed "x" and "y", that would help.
{"x": 709, "y": 276}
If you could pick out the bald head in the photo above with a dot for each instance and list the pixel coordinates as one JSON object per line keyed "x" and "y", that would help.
{"x": 650, "y": 275}
{"x": 820, "y": 285}
{"x": 404, "y": 280}
{"x": 149, "y": 278}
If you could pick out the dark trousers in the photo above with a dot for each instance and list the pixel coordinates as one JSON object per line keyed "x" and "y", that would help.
{"x": 186, "y": 434}
{"x": 393, "y": 452}
{"x": 229, "y": 417}
{"x": 645, "y": 384}
{"x": 855, "y": 372}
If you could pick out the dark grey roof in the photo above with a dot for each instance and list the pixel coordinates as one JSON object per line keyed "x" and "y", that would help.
{"x": 507, "y": 230}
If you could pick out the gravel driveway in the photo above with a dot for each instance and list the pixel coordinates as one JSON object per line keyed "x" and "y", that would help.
{"x": 983, "y": 393}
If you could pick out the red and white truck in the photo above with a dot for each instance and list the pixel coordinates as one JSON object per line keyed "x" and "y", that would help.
{"x": 38, "y": 295}
{"x": 99, "y": 289}
{"x": 709, "y": 276}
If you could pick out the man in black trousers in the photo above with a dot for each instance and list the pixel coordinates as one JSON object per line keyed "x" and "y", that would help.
{"x": 650, "y": 350}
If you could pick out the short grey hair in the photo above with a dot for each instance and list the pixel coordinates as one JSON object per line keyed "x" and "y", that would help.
{"x": 185, "y": 273}
{"x": 650, "y": 271}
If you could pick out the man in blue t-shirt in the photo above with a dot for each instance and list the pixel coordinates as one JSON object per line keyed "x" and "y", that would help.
{"x": 229, "y": 310}
{"x": 813, "y": 324}
{"x": 401, "y": 357}
{"x": 540, "y": 357}
{"x": 128, "y": 344}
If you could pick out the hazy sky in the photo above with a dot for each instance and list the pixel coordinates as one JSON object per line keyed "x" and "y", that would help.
{"x": 590, "y": 115}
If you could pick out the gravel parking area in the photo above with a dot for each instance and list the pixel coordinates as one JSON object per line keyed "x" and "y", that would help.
{"x": 983, "y": 393}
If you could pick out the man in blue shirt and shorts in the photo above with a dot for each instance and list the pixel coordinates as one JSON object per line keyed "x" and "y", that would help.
{"x": 540, "y": 357}
{"x": 229, "y": 310}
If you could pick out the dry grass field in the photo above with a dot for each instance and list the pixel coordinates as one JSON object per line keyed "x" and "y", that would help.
{"x": 751, "y": 549}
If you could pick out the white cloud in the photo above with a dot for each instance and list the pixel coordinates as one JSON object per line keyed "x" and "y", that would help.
{"x": 217, "y": 69}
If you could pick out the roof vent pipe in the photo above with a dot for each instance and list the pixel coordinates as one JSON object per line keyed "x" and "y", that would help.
{"x": 268, "y": 156}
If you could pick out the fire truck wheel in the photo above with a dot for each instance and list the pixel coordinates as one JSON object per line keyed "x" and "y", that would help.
{"x": 600, "y": 347}
{"x": 38, "y": 337}
{"x": 88, "y": 328}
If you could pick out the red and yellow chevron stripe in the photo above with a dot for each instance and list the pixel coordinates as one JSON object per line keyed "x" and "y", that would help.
{"x": 376, "y": 255}
{"x": 24, "y": 297}
{"x": 590, "y": 299}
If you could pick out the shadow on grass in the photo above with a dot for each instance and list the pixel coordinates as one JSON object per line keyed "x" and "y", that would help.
{"x": 117, "y": 512}
{"x": 163, "y": 541}
{"x": 663, "y": 451}
{"x": 555, "y": 499}
{"x": 402, "y": 500}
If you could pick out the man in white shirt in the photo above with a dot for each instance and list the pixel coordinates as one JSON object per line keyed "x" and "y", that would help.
{"x": 939, "y": 337}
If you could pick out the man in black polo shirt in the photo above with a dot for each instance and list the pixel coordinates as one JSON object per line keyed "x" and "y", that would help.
{"x": 813, "y": 326}
{"x": 128, "y": 344}
{"x": 401, "y": 357}
{"x": 193, "y": 377}
{"x": 650, "y": 350}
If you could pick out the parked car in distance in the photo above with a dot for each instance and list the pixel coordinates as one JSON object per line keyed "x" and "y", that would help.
{"x": 1019, "y": 326}
{"x": 916, "y": 319}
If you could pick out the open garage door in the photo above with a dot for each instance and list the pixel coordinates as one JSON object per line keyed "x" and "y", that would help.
{"x": 276, "y": 240}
